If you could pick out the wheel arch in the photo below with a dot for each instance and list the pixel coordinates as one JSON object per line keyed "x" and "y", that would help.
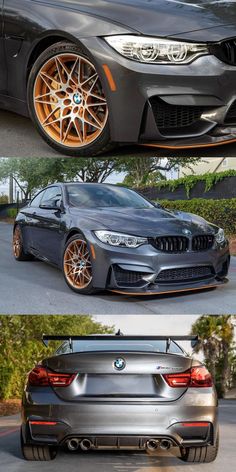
{"x": 73, "y": 232}
{"x": 45, "y": 42}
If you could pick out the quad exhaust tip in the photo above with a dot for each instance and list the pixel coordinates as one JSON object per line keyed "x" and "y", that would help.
{"x": 73, "y": 444}
{"x": 166, "y": 444}
{"x": 153, "y": 444}
{"x": 86, "y": 444}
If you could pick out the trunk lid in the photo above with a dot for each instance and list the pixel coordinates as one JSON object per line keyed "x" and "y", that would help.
{"x": 141, "y": 376}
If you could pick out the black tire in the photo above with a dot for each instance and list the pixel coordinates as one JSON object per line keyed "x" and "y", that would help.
{"x": 19, "y": 253}
{"x": 89, "y": 288}
{"x": 204, "y": 454}
{"x": 102, "y": 143}
{"x": 37, "y": 453}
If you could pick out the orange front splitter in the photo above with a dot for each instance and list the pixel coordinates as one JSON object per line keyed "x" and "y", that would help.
{"x": 188, "y": 146}
{"x": 204, "y": 287}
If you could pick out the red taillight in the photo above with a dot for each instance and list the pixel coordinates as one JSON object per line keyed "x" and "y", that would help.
{"x": 200, "y": 377}
{"x": 42, "y": 377}
{"x": 197, "y": 424}
{"x": 196, "y": 377}
{"x": 43, "y": 423}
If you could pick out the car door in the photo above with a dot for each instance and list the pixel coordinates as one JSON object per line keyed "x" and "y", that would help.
{"x": 29, "y": 222}
{"x": 48, "y": 225}
{"x": 3, "y": 71}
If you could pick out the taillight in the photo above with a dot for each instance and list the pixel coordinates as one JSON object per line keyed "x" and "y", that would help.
{"x": 41, "y": 377}
{"x": 195, "y": 377}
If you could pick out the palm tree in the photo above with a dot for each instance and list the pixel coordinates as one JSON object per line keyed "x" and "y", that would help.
{"x": 216, "y": 335}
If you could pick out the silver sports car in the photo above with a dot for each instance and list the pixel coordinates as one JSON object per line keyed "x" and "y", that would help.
{"x": 109, "y": 237}
{"x": 120, "y": 392}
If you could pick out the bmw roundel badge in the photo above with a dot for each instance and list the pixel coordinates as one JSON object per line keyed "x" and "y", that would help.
{"x": 119, "y": 364}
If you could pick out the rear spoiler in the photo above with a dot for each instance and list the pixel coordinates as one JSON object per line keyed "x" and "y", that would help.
{"x": 51, "y": 337}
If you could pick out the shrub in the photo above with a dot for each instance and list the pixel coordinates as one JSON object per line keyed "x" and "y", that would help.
{"x": 220, "y": 212}
{"x": 12, "y": 212}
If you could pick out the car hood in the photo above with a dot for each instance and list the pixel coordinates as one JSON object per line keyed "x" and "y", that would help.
{"x": 147, "y": 222}
{"x": 185, "y": 18}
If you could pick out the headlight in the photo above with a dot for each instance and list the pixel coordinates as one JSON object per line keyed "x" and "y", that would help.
{"x": 220, "y": 236}
{"x": 119, "y": 239}
{"x": 156, "y": 50}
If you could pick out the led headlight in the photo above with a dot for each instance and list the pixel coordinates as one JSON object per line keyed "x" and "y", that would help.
{"x": 119, "y": 239}
{"x": 220, "y": 236}
{"x": 156, "y": 50}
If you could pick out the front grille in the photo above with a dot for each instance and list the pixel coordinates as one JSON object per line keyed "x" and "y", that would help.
{"x": 127, "y": 277}
{"x": 175, "y": 116}
{"x": 231, "y": 114}
{"x": 225, "y": 51}
{"x": 172, "y": 243}
{"x": 184, "y": 274}
{"x": 203, "y": 242}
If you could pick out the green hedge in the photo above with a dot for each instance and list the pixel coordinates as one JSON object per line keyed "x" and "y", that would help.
{"x": 220, "y": 212}
{"x": 12, "y": 212}
{"x": 210, "y": 179}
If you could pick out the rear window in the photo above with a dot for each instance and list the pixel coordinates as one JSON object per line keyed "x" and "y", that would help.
{"x": 120, "y": 346}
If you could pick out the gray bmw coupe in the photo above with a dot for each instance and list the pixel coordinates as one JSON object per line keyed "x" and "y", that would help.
{"x": 109, "y": 237}
{"x": 92, "y": 75}
{"x": 120, "y": 392}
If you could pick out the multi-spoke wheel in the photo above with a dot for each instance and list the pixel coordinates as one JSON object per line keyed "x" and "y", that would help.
{"x": 17, "y": 245}
{"x": 77, "y": 265}
{"x": 67, "y": 102}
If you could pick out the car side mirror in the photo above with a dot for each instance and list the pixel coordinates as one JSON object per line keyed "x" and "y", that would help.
{"x": 52, "y": 205}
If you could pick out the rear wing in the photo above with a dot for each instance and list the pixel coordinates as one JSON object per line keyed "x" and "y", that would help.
{"x": 101, "y": 337}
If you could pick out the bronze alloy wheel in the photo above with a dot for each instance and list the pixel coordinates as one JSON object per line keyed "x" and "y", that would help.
{"x": 69, "y": 101}
{"x": 77, "y": 264}
{"x": 17, "y": 242}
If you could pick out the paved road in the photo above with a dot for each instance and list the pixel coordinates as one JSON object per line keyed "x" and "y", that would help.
{"x": 11, "y": 459}
{"x": 36, "y": 288}
{"x": 18, "y": 138}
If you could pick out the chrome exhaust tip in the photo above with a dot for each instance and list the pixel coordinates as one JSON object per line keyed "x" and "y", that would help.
{"x": 166, "y": 444}
{"x": 73, "y": 444}
{"x": 152, "y": 444}
{"x": 86, "y": 444}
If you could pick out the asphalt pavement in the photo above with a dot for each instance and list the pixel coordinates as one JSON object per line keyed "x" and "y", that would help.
{"x": 19, "y": 138}
{"x": 12, "y": 461}
{"x": 34, "y": 287}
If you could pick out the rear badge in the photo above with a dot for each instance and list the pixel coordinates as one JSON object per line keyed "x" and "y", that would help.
{"x": 119, "y": 364}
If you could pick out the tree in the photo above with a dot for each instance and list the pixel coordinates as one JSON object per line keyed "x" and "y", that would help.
{"x": 216, "y": 335}
{"x": 32, "y": 174}
{"x": 21, "y": 346}
{"x": 143, "y": 171}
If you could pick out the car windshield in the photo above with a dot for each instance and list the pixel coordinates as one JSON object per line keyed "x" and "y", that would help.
{"x": 119, "y": 346}
{"x": 97, "y": 195}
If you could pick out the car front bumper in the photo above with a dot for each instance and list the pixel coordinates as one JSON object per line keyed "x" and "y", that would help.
{"x": 128, "y": 423}
{"x": 194, "y": 100}
{"x": 145, "y": 270}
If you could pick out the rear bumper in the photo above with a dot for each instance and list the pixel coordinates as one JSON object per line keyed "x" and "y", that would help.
{"x": 128, "y": 423}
